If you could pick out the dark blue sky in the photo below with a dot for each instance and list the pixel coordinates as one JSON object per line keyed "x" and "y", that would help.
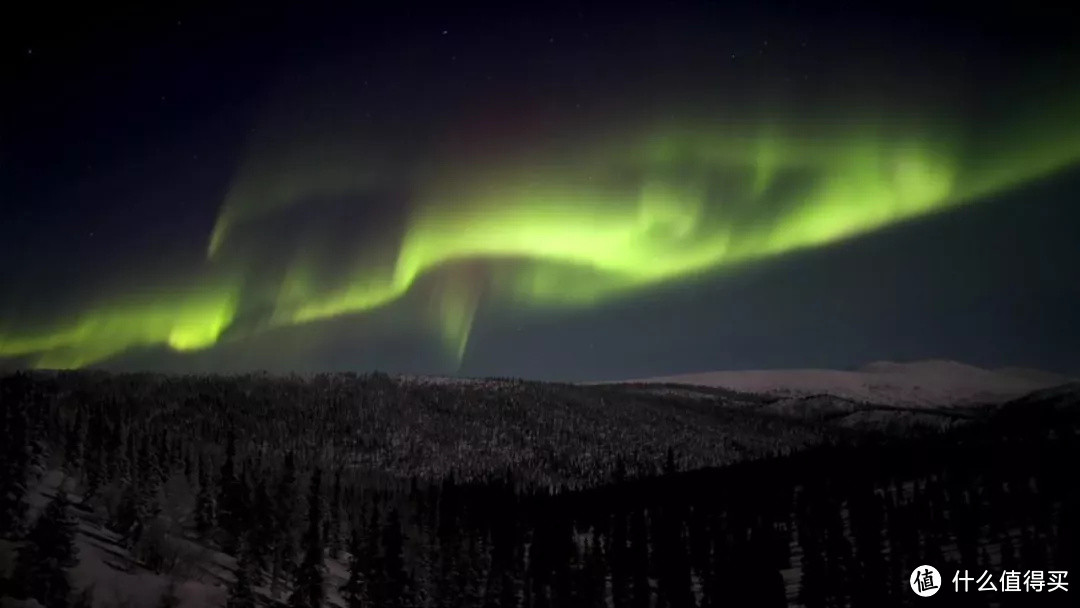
{"x": 123, "y": 129}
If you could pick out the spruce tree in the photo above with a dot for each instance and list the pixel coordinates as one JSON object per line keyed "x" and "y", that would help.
{"x": 148, "y": 504}
{"x": 15, "y": 466}
{"x": 355, "y": 589}
{"x": 94, "y": 472}
{"x": 394, "y": 578}
{"x": 119, "y": 465}
{"x": 164, "y": 456}
{"x": 333, "y": 524}
{"x": 73, "y": 444}
{"x": 241, "y": 594}
{"x": 308, "y": 591}
{"x": 595, "y": 573}
{"x": 47, "y": 553}
{"x": 149, "y": 468}
{"x": 376, "y": 570}
{"x": 619, "y": 562}
{"x": 638, "y": 566}
{"x": 284, "y": 526}
{"x": 231, "y": 498}
{"x": 128, "y": 519}
{"x": 243, "y": 524}
{"x": 205, "y": 503}
{"x": 130, "y": 461}
{"x": 189, "y": 468}
{"x": 261, "y": 537}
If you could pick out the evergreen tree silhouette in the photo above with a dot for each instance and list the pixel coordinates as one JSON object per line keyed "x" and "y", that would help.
{"x": 74, "y": 445}
{"x": 261, "y": 532}
{"x": 639, "y": 560}
{"x": 308, "y": 588}
{"x": 698, "y": 541}
{"x": 118, "y": 462}
{"x": 448, "y": 589}
{"x": 241, "y": 594}
{"x": 164, "y": 457}
{"x": 333, "y": 520}
{"x": 870, "y": 582}
{"x": 500, "y": 588}
{"x": 594, "y": 591}
{"x": 205, "y": 503}
{"x": 472, "y": 572}
{"x": 618, "y": 561}
{"x": 47, "y": 554}
{"x": 566, "y": 562}
{"x": 127, "y": 520}
{"x": 285, "y": 498}
{"x": 837, "y": 549}
{"x": 813, "y": 586}
{"x": 189, "y": 468}
{"x": 394, "y": 578}
{"x": 14, "y": 468}
{"x": 95, "y": 469}
{"x": 376, "y": 570}
{"x": 540, "y": 564}
{"x": 355, "y": 589}
{"x": 674, "y": 588}
{"x": 149, "y": 473}
{"x": 231, "y": 498}
{"x": 670, "y": 462}
{"x": 130, "y": 460}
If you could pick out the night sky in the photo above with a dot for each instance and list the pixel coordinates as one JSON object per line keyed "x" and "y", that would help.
{"x": 561, "y": 192}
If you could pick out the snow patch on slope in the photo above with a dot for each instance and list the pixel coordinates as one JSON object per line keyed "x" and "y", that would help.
{"x": 914, "y": 384}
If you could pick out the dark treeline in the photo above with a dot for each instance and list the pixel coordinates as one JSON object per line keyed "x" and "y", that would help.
{"x": 285, "y": 481}
{"x": 555, "y": 435}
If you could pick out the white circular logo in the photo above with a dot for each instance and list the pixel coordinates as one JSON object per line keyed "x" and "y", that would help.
{"x": 925, "y": 581}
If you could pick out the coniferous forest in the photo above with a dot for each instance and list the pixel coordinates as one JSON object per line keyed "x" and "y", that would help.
{"x": 374, "y": 491}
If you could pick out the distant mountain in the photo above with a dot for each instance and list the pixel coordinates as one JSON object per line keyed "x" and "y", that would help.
{"x": 914, "y": 384}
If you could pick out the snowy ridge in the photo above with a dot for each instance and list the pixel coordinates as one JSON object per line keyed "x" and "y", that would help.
{"x": 914, "y": 384}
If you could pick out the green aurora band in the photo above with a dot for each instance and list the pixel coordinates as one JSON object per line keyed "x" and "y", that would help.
{"x": 572, "y": 223}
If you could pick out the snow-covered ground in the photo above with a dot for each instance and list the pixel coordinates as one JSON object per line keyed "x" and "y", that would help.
{"x": 118, "y": 581}
{"x": 915, "y": 384}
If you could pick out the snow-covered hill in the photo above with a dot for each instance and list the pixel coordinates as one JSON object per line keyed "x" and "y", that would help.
{"x": 115, "y": 579}
{"x": 914, "y": 384}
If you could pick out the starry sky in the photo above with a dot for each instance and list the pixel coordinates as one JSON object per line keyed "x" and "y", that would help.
{"x": 556, "y": 191}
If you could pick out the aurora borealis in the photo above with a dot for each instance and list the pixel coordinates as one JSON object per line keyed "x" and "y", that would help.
{"x": 488, "y": 201}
